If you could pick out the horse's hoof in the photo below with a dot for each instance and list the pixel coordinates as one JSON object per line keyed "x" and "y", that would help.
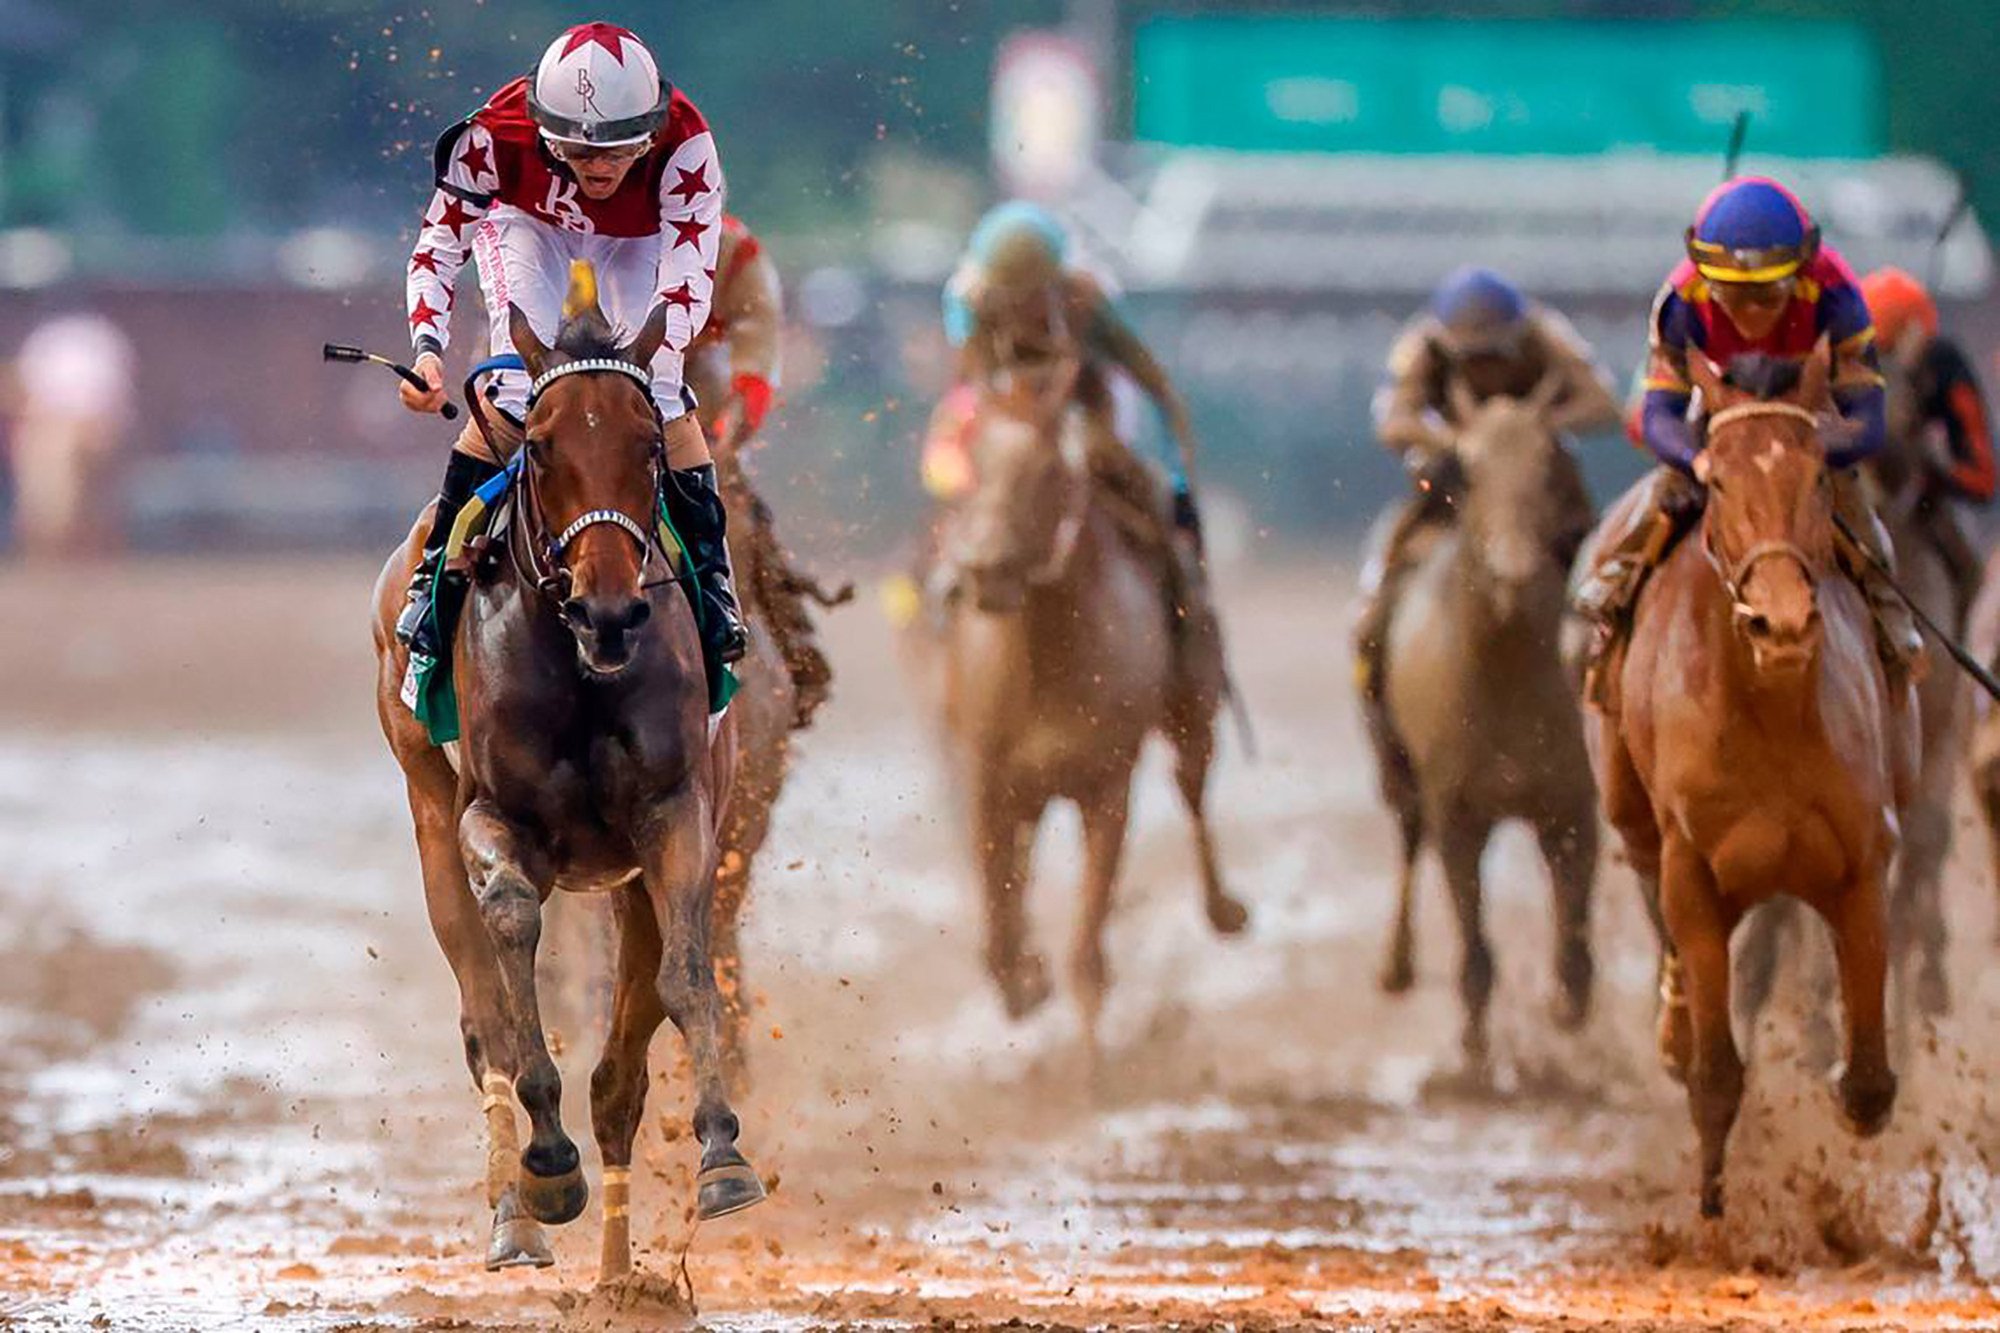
{"x": 722, "y": 1190}
{"x": 517, "y": 1241}
{"x": 1865, "y": 1106}
{"x": 554, "y": 1199}
{"x": 1711, "y": 1199}
{"x": 1933, "y": 994}
{"x": 1027, "y": 988}
{"x": 1572, "y": 1010}
{"x": 1398, "y": 976}
{"x": 1226, "y": 916}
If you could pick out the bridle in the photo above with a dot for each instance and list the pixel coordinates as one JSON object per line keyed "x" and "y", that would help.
{"x": 1734, "y": 576}
{"x": 539, "y": 558}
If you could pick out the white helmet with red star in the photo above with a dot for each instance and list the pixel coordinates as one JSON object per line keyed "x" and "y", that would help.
{"x": 597, "y": 86}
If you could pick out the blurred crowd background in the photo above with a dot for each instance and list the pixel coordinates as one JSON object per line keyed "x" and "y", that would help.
{"x": 194, "y": 197}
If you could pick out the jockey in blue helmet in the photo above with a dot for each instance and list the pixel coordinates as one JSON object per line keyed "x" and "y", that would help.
{"x": 1482, "y": 335}
{"x": 1756, "y": 279}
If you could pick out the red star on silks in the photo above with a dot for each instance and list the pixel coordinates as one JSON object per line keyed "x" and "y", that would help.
{"x": 687, "y": 233}
{"x": 607, "y": 35}
{"x": 475, "y": 160}
{"x": 427, "y": 260}
{"x": 682, "y": 296}
{"x": 454, "y": 215}
{"x": 423, "y": 314}
{"x": 691, "y": 183}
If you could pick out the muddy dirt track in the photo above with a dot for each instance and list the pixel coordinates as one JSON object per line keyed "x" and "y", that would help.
{"x": 231, "y": 1093}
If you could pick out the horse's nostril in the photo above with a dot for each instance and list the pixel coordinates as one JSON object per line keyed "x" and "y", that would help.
{"x": 575, "y": 612}
{"x": 641, "y": 612}
{"x": 1760, "y": 625}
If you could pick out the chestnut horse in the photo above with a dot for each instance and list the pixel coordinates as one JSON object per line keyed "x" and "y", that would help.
{"x": 586, "y": 763}
{"x": 1057, "y": 661}
{"x": 1486, "y": 719}
{"x": 1749, "y": 746}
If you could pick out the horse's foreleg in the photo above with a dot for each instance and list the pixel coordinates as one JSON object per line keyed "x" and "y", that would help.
{"x": 489, "y": 1046}
{"x": 1194, "y": 746}
{"x": 618, "y": 1084}
{"x": 1461, "y": 842}
{"x": 1860, "y": 937}
{"x": 1001, "y": 842}
{"x": 1700, "y": 926}
{"x": 680, "y": 881}
{"x": 1105, "y": 818}
{"x": 501, "y": 861}
{"x": 1399, "y": 969}
{"x": 1570, "y": 848}
{"x": 1916, "y": 925}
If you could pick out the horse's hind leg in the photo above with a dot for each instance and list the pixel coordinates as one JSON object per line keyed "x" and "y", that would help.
{"x": 552, "y": 1184}
{"x": 489, "y": 1047}
{"x": 1002, "y": 840}
{"x": 1399, "y": 969}
{"x": 618, "y": 1084}
{"x": 1860, "y": 936}
{"x": 1570, "y": 848}
{"x": 680, "y": 881}
{"x": 1701, "y": 925}
{"x": 1461, "y": 842}
{"x": 1105, "y": 817}
{"x": 1194, "y": 747}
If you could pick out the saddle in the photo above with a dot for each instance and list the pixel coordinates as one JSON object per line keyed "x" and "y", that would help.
{"x": 479, "y": 541}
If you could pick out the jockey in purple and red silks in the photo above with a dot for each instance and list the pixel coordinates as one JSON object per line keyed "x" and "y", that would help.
{"x": 1756, "y": 280}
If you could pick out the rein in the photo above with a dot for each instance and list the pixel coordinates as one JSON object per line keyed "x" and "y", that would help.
{"x": 1735, "y": 576}
{"x": 538, "y": 558}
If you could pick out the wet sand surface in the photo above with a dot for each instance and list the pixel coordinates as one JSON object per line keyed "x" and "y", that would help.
{"x": 232, "y": 1095}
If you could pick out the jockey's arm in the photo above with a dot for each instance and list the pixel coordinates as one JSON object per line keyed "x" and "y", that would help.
{"x": 1957, "y": 400}
{"x": 1123, "y": 345}
{"x": 1858, "y": 389}
{"x": 1585, "y": 400}
{"x": 1406, "y": 416}
{"x": 691, "y": 196}
{"x": 751, "y": 306}
{"x": 461, "y": 197}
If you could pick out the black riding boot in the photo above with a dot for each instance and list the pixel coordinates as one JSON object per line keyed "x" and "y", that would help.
{"x": 695, "y": 507}
{"x": 416, "y": 627}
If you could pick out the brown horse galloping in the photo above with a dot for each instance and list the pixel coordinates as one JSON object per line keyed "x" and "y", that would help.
{"x": 1487, "y": 727}
{"x": 586, "y": 764}
{"x": 1749, "y": 746}
{"x": 1056, "y": 666}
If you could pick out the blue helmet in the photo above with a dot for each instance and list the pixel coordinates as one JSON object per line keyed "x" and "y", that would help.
{"x": 1478, "y": 308}
{"x": 1751, "y": 229}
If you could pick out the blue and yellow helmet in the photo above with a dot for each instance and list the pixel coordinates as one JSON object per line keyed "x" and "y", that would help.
{"x": 1751, "y": 229}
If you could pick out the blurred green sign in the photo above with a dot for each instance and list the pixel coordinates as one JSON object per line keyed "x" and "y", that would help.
{"x": 1437, "y": 86}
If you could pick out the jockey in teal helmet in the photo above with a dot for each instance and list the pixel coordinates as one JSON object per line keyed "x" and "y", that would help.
{"x": 1756, "y": 279}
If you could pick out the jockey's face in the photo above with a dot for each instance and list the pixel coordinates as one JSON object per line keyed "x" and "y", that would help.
{"x": 1754, "y": 307}
{"x": 599, "y": 171}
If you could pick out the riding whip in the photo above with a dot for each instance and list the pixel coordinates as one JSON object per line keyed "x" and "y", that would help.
{"x": 1737, "y": 133}
{"x": 355, "y": 356}
{"x": 1959, "y": 654}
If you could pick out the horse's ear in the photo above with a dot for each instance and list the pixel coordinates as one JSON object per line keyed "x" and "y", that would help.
{"x": 1458, "y": 397}
{"x": 651, "y": 336}
{"x": 1707, "y": 377}
{"x": 1816, "y": 380}
{"x": 1542, "y": 398}
{"x": 533, "y": 352}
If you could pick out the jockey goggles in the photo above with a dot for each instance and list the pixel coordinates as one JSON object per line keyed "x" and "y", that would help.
{"x": 1719, "y": 263}
{"x": 577, "y": 154}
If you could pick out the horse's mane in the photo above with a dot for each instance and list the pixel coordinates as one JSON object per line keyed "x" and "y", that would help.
{"x": 1764, "y": 375}
{"x": 587, "y": 336}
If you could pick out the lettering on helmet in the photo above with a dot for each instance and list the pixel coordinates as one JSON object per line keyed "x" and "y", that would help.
{"x": 587, "y": 90}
